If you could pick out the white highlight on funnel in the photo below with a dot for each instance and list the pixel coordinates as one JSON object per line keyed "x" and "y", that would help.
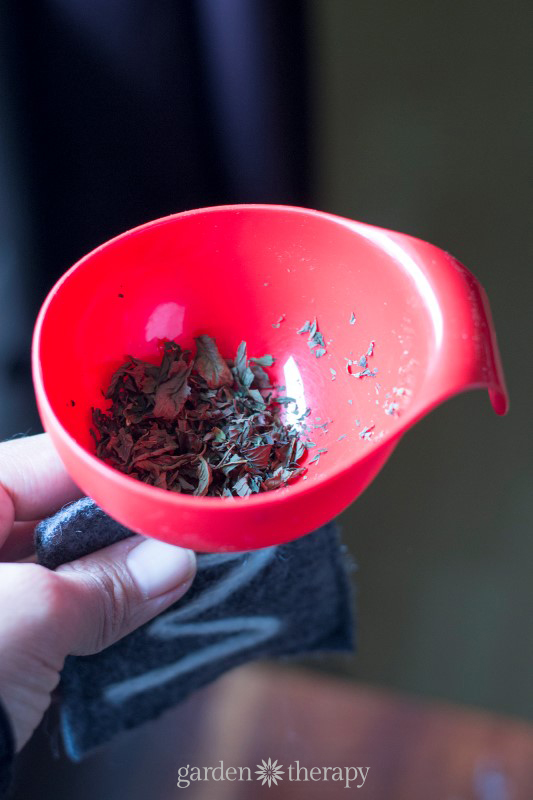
{"x": 166, "y": 321}
{"x": 385, "y": 242}
{"x": 294, "y": 387}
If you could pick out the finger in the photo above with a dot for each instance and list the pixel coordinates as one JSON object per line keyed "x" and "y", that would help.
{"x": 19, "y": 544}
{"x": 33, "y": 481}
{"x": 109, "y": 593}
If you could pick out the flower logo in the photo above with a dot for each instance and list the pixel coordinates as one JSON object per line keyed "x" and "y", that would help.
{"x": 270, "y": 772}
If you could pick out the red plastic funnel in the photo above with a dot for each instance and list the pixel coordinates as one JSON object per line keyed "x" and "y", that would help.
{"x": 232, "y": 272}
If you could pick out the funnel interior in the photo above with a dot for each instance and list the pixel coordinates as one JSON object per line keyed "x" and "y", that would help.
{"x": 255, "y": 274}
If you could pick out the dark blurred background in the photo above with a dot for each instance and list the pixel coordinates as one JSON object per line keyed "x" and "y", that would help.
{"x": 413, "y": 116}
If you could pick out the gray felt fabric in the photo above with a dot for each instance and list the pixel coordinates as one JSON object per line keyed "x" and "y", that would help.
{"x": 277, "y": 601}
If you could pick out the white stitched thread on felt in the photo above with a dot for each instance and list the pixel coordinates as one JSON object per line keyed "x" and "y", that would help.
{"x": 252, "y": 631}
{"x": 162, "y": 627}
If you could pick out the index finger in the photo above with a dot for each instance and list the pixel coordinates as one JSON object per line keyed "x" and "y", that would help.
{"x": 33, "y": 481}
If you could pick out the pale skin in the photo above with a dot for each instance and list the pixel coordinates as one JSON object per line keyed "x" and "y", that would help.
{"x": 81, "y": 607}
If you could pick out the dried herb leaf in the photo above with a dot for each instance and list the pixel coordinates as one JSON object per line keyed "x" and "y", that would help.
{"x": 240, "y": 360}
{"x": 204, "y": 477}
{"x": 210, "y": 364}
{"x": 261, "y": 377}
{"x": 241, "y": 486}
{"x": 264, "y": 361}
{"x": 171, "y": 395}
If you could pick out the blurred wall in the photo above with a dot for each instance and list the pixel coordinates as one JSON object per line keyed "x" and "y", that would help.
{"x": 423, "y": 123}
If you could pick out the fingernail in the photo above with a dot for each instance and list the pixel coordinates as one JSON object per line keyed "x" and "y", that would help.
{"x": 157, "y": 567}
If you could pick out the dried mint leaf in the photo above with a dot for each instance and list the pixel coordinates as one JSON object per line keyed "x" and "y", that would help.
{"x": 210, "y": 364}
{"x": 171, "y": 395}
{"x": 204, "y": 477}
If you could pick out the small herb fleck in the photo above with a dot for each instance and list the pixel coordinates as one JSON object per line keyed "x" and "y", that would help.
{"x": 367, "y": 432}
{"x": 323, "y": 424}
{"x": 284, "y": 401}
{"x": 370, "y": 373}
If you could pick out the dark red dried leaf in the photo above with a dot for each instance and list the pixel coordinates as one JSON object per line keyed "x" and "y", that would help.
{"x": 210, "y": 364}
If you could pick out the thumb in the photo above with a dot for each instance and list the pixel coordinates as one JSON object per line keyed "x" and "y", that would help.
{"x": 106, "y": 595}
{"x": 80, "y": 608}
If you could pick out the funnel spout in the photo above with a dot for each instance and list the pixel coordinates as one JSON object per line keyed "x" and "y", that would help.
{"x": 466, "y": 354}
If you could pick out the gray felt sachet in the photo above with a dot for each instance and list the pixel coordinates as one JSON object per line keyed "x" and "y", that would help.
{"x": 278, "y": 601}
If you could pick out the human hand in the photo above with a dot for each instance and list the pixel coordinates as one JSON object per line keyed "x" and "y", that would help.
{"x": 81, "y": 607}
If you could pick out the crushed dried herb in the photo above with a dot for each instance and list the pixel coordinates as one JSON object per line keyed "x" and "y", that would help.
{"x": 315, "y": 338}
{"x": 200, "y": 425}
{"x": 367, "y": 432}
